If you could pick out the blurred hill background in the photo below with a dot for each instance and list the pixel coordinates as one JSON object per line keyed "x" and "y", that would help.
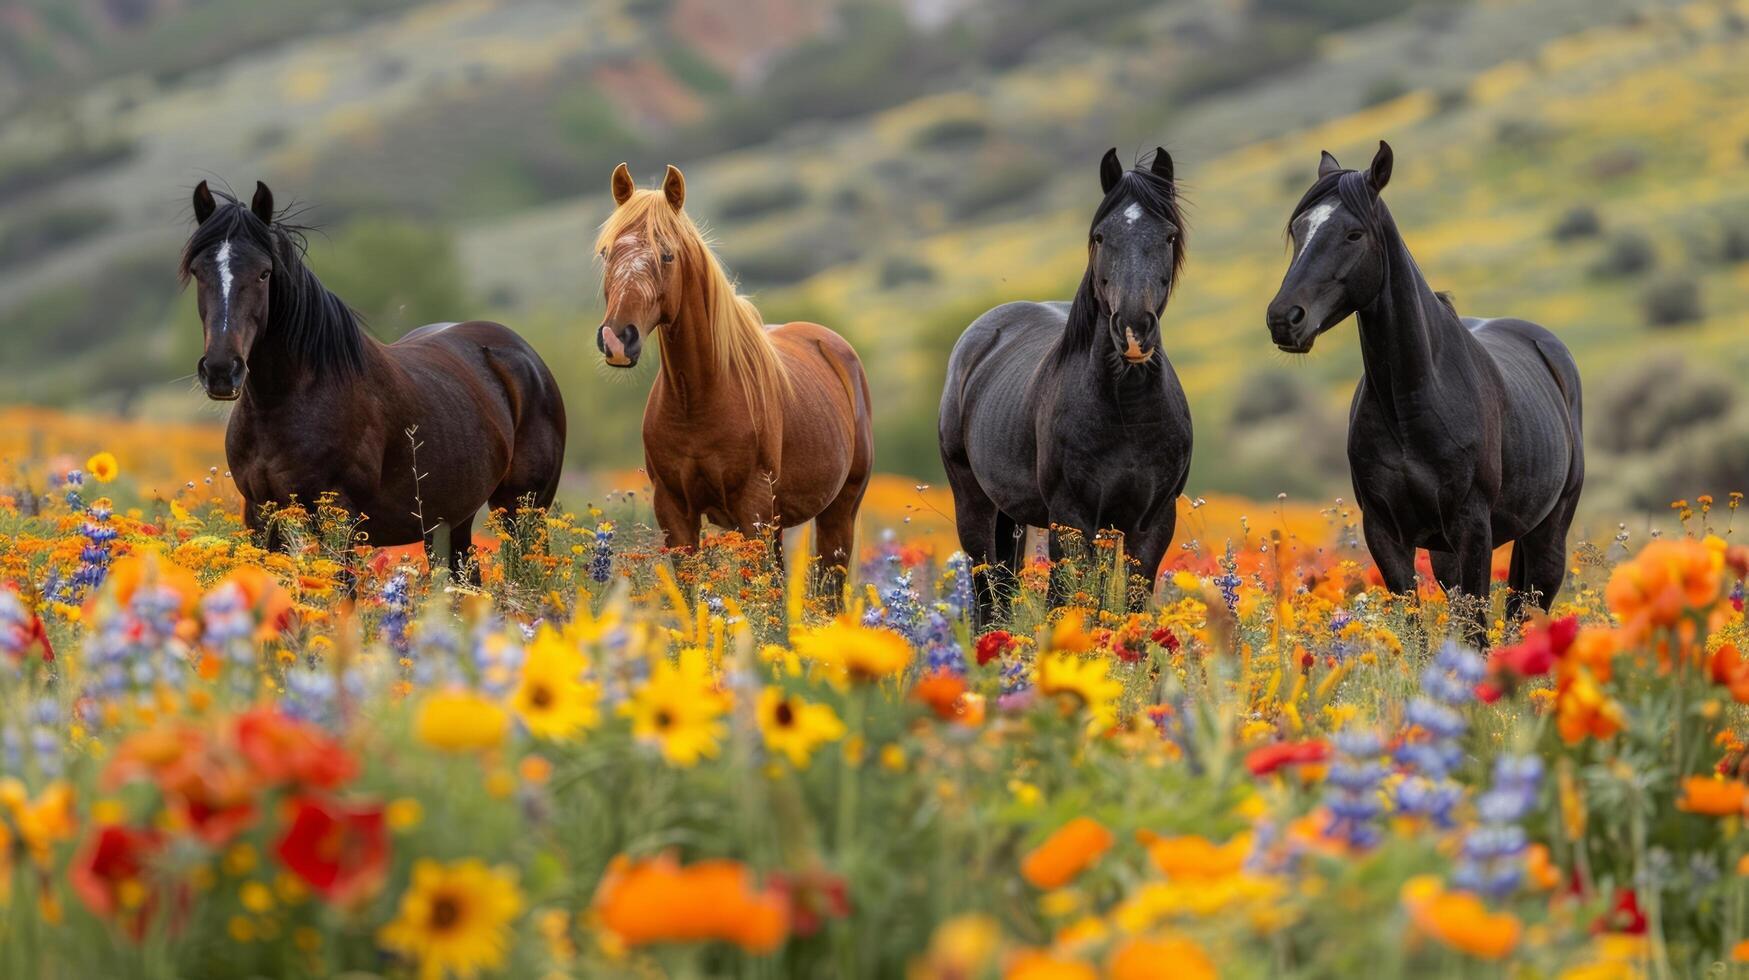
{"x": 891, "y": 168}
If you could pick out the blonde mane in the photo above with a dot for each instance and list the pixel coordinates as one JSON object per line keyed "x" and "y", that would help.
{"x": 739, "y": 342}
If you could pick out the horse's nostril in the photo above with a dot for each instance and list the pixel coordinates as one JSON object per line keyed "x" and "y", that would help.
{"x": 1295, "y": 315}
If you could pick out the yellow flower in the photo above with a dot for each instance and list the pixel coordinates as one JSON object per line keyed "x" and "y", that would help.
{"x": 460, "y": 721}
{"x": 403, "y": 814}
{"x": 102, "y": 467}
{"x": 794, "y": 727}
{"x": 454, "y": 918}
{"x": 860, "y": 653}
{"x": 680, "y": 709}
{"x": 552, "y": 698}
{"x": 1082, "y": 682}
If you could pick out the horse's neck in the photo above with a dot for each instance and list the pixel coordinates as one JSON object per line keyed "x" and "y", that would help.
{"x": 689, "y": 368}
{"x": 1406, "y": 334}
{"x": 1093, "y": 375}
{"x": 278, "y": 370}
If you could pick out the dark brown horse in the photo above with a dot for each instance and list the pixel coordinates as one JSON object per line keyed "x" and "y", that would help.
{"x": 324, "y": 407}
{"x": 754, "y": 427}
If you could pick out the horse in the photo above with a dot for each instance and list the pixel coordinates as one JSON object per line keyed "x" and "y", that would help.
{"x": 755, "y": 427}
{"x": 411, "y": 437}
{"x": 1069, "y": 414}
{"x": 1464, "y": 433}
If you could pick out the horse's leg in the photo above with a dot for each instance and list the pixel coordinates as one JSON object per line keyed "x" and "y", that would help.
{"x": 976, "y": 519}
{"x": 1446, "y": 569}
{"x": 1007, "y": 556}
{"x": 1545, "y": 555}
{"x": 461, "y": 548}
{"x": 835, "y": 541}
{"x": 679, "y": 524}
{"x": 1475, "y": 549}
{"x": 1150, "y": 545}
{"x": 1395, "y": 560}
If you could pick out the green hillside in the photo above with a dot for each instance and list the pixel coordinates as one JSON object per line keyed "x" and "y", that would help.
{"x": 892, "y": 169}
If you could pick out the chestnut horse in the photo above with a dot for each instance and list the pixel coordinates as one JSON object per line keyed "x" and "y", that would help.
{"x": 323, "y": 407}
{"x": 757, "y": 428}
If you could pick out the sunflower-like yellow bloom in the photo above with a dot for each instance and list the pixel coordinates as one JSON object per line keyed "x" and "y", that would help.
{"x": 680, "y": 709}
{"x": 460, "y": 721}
{"x": 1081, "y": 683}
{"x": 849, "y": 651}
{"x": 102, "y": 467}
{"x": 455, "y": 918}
{"x": 551, "y": 696}
{"x": 795, "y": 728}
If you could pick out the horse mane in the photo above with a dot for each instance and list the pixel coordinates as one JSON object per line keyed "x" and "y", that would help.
{"x": 740, "y": 344}
{"x": 314, "y": 324}
{"x": 1158, "y": 197}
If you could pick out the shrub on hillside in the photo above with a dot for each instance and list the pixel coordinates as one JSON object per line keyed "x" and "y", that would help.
{"x": 1644, "y": 408}
{"x": 1628, "y": 253}
{"x": 1673, "y": 301}
{"x": 1579, "y": 221}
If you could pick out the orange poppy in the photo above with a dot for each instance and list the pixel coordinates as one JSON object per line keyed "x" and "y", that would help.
{"x": 1066, "y": 853}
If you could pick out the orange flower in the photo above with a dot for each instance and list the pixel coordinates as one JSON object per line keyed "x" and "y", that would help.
{"x": 286, "y": 750}
{"x": 129, "y": 572}
{"x": 1740, "y": 952}
{"x": 1459, "y": 919}
{"x": 1036, "y": 964}
{"x": 1712, "y": 797}
{"x": 656, "y": 900}
{"x": 1593, "y": 650}
{"x": 1666, "y": 579}
{"x": 1583, "y": 708}
{"x": 1066, "y": 853}
{"x": 263, "y": 596}
{"x": 1539, "y": 869}
{"x": 1728, "y": 668}
{"x": 1197, "y": 858}
{"x": 1171, "y": 958}
{"x": 941, "y": 691}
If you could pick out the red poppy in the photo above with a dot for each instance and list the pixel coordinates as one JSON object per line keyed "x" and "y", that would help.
{"x": 109, "y": 874}
{"x": 1623, "y": 917}
{"x": 340, "y": 851}
{"x": 1166, "y": 638}
{"x": 1534, "y": 656}
{"x": 993, "y": 645}
{"x": 285, "y": 750}
{"x": 814, "y": 897}
{"x": 1269, "y": 758}
{"x": 23, "y": 637}
{"x": 219, "y": 802}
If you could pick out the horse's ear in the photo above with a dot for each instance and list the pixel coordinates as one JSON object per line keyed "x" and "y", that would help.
{"x": 204, "y": 205}
{"x": 674, "y": 187}
{"x": 1379, "y": 174}
{"x": 262, "y": 203}
{"x": 1162, "y": 164}
{"x": 1110, "y": 170}
{"x": 1327, "y": 165}
{"x": 623, "y": 185}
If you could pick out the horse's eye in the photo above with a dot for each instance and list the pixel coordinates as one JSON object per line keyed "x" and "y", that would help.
{"x": 265, "y": 273}
{"x": 1098, "y": 239}
{"x": 667, "y": 256}
{"x": 1355, "y": 236}
{"x": 1172, "y": 239}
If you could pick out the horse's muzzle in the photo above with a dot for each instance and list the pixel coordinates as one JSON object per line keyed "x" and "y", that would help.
{"x": 224, "y": 382}
{"x": 621, "y": 345}
{"x": 1289, "y": 327}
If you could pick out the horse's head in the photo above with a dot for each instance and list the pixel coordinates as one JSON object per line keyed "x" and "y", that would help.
{"x": 1135, "y": 250}
{"x": 230, "y": 258}
{"x": 639, "y": 265}
{"x": 1339, "y": 258}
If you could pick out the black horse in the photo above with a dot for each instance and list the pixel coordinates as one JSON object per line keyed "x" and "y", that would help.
{"x": 1068, "y": 413}
{"x": 324, "y": 407}
{"x": 1465, "y": 433}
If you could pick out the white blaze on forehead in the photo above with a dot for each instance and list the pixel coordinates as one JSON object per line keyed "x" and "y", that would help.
{"x": 1133, "y": 213}
{"x": 1314, "y": 219}
{"x": 631, "y": 261}
{"x": 223, "y": 260}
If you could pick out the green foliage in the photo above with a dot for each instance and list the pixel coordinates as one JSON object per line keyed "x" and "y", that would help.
{"x": 398, "y": 274}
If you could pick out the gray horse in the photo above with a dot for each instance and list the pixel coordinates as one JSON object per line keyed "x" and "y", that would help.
{"x": 1069, "y": 413}
{"x": 1465, "y": 433}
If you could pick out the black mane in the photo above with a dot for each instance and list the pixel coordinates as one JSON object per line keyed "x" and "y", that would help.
{"x": 312, "y": 323}
{"x": 1158, "y": 197}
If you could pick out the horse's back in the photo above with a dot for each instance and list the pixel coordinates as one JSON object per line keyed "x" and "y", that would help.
{"x": 986, "y": 422}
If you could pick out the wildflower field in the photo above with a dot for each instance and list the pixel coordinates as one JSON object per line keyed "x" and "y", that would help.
{"x": 609, "y": 761}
